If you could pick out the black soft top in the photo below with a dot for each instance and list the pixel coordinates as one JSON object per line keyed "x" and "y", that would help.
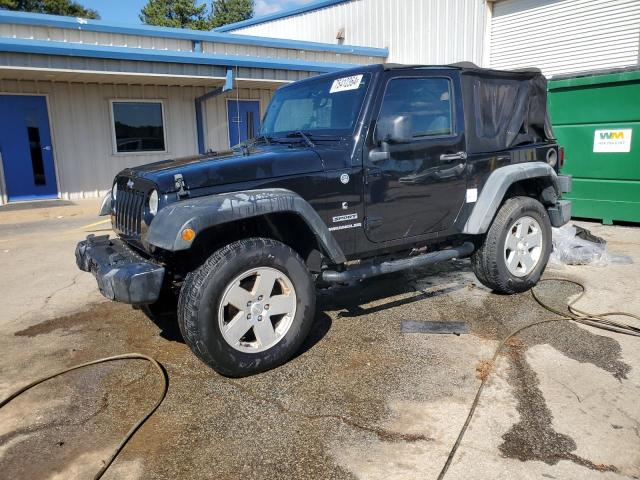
{"x": 502, "y": 108}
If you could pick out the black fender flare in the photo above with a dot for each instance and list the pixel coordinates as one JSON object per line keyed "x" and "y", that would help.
{"x": 496, "y": 186}
{"x": 202, "y": 213}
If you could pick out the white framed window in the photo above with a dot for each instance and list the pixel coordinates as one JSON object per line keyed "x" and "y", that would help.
{"x": 138, "y": 126}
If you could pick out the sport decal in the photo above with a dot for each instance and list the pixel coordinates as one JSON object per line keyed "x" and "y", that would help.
{"x": 344, "y": 218}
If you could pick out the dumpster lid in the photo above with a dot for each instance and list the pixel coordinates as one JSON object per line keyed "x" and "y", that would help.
{"x": 595, "y": 77}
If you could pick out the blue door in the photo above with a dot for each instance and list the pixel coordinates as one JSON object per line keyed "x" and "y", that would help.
{"x": 25, "y": 145}
{"x": 244, "y": 120}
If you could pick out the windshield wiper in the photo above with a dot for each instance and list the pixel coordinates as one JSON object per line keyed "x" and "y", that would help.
{"x": 255, "y": 140}
{"x": 304, "y": 136}
{"x": 246, "y": 145}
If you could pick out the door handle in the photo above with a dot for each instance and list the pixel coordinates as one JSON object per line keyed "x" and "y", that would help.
{"x": 450, "y": 157}
{"x": 378, "y": 156}
{"x": 47, "y": 147}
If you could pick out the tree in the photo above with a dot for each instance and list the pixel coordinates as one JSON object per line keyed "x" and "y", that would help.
{"x": 224, "y": 12}
{"x": 175, "y": 13}
{"x": 67, "y": 8}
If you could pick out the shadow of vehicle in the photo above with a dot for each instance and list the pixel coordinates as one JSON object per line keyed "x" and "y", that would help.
{"x": 163, "y": 314}
{"x": 351, "y": 298}
{"x": 348, "y": 300}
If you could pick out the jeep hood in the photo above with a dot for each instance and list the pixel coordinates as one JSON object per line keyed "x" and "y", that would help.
{"x": 258, "y": 163}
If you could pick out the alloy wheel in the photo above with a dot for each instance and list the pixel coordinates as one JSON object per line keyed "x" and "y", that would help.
{"x": 257, "y": 309}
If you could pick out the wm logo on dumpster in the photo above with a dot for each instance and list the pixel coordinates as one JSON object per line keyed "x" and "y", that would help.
{"x": 611, "y": 135}
{"x": 612, "y": 141}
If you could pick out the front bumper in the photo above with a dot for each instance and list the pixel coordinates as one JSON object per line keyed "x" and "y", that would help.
{"x": 122, "y": 274}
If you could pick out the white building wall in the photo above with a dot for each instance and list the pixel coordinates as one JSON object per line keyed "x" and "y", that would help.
{"x": 565, "y": 36}
{"x": 81, "y": 126}
{"x": 415, "y": 31}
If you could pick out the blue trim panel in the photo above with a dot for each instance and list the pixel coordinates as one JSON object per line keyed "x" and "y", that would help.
{"x": 278, "y": 15}
{"x": 46, "y": 47}
{"x": 22, "y": 18}
{"x": 228, "y": 81}
{"x": 199, "y": 126}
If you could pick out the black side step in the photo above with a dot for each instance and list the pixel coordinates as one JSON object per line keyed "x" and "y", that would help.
{"x": 371, "y": 270}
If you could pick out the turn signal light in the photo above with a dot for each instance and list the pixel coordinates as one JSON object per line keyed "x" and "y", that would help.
{"x": 188, "y": 234}
{"x": 561, "y": 159}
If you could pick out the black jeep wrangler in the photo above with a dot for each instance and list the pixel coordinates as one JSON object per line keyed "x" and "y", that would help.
{"x": 354, "y": 174}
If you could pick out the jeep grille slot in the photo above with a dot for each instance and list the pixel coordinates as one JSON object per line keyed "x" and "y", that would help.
{"x": 129, "y": 210}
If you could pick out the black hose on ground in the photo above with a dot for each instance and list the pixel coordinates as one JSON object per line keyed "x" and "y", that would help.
{"x": 138, "y": 424}
{"x": 598, "y": 320}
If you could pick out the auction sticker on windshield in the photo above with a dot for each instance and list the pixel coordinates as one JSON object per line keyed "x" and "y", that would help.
{"x": 346, "y": 83}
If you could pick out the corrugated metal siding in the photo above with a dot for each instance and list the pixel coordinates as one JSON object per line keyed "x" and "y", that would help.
{"x": 33, "y": 32}
{"x": 174, "y": 71}
{"x": 96, "y": 38}
{"x": 81, "y": 128}
{"x": 565, "y": 36}
{"x": 415, "y": 31}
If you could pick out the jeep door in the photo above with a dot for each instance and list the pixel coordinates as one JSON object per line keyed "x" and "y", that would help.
{"x": 414, "y": 156}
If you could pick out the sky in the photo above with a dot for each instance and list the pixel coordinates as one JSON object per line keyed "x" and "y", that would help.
{"x": 126, "y": 11}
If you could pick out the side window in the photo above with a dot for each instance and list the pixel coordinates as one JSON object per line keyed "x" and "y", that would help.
{"x": 138, "y": 126}
{"x": 426, "y": 101}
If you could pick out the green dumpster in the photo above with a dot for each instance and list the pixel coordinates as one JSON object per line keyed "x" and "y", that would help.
{"x": 596, "y": 117}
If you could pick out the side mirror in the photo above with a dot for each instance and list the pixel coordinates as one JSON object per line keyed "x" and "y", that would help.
{"x": 394, "y": 129}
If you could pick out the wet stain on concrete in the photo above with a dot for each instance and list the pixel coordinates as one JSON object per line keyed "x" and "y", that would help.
{"x": 381, "y": 433}
{"x": 533, "y": 437}
{"x": 572, "y": 340}
{"x": 71, "y": 322}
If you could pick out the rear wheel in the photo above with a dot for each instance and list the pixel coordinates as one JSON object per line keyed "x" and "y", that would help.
{"x": 516, "y": 249}
{"x": 248, "y": 308}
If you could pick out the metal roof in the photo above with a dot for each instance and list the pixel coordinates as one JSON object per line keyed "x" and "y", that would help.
{"x": 282, "y": 14}
{"x": 23, "y": 18}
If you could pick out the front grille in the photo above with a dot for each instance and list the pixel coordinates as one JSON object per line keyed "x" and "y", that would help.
{"x": 129, "y": 209}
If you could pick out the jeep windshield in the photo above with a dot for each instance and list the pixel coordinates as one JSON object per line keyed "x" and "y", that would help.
{"x": 323, "y": 107}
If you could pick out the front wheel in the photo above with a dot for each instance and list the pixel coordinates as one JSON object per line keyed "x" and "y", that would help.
{"x": 516, "y": 249}
{"x": 248, "y": 308}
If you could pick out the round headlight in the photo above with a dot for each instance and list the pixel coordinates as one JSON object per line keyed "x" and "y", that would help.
{"x": 552, "y": 157}
{"x": 114, "y": 191}
{"x": 153, "y": 202}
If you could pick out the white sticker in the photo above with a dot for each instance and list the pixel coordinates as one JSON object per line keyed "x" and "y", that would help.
{"x": 346, "y": 83}
{"x": 472, "y": 195}
{"x": 618, "y": 141}
{"x": 344, "y": 178}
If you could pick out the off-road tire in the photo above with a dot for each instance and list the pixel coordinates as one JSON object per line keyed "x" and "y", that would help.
{"x": 488, "y": 260}
{"x": 202, "y": 293}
